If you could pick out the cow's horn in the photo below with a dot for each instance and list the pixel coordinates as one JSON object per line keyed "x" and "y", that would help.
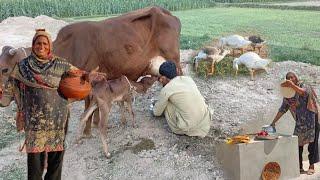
{"x": 12, "y": 51}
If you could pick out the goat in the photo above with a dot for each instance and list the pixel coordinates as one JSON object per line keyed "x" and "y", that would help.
{"x": 103, "y": 94}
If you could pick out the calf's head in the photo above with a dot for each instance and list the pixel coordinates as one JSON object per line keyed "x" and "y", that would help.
{"x": 8, "y": 58}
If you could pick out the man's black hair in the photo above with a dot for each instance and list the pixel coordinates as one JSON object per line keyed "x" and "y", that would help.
{"x": 168, "y": 69}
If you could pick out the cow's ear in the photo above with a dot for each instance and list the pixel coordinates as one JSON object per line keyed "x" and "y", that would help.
{"x": 12, "y": 51}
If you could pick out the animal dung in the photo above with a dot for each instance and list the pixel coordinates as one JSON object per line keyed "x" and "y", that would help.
{"x": 73, "y": 86}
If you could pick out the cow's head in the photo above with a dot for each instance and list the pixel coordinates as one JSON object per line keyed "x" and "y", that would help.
{"x": 8, "y": 58}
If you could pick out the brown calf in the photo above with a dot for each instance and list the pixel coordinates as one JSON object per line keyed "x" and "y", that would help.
{"x": 102, "y": 96}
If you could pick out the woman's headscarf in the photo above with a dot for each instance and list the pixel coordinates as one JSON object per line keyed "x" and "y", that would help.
{"x": 42, "y": 32}
{"x": 293, "y": 74}
{"x": 33, "y": 70}
{"x": 312, "y": 104}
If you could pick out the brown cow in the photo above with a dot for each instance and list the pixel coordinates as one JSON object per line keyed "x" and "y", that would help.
{"x": 122, "y": 45}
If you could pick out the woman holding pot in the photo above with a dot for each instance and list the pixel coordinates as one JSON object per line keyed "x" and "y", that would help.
{"x": 42, "y": 111}
{"x": 304, "y": 108}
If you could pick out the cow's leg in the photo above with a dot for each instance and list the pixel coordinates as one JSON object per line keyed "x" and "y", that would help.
{"x": 104, "y": 113}
{"x": 87, "y": 129}
{"x": 84, "y": 118}
{"x": 123, "y": 113}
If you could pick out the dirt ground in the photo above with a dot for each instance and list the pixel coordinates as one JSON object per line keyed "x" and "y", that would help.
{"x": 150, "y": 150}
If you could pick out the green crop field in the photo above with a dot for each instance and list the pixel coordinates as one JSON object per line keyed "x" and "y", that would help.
{"x": 68, "y": 8}
{"x": 291, "y": 35}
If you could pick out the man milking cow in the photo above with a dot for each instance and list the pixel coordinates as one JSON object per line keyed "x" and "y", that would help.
{"x": 181, "y": 103}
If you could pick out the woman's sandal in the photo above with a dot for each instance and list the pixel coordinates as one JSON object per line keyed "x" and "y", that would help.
{"x": 302, "y": 171}
{"x": 310, "y": 171}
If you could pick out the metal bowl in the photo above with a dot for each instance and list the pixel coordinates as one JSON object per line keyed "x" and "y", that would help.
{"x": 269, "y": 129}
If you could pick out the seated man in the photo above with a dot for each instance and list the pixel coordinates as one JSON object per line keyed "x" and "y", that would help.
{"x": 182, "y": 103}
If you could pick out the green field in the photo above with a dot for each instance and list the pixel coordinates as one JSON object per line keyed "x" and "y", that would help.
{"x": 69, "y": 8}
{"x": 291, "y": 34}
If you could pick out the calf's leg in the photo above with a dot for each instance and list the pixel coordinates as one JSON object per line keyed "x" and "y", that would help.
{"x": 129, "y": 103}
{"x": 104, "y": 112}
{"x": 84, "y": 118}
{"x": 87, "y": 129}
{"x": 123, "y": 115}
{"x": 96, "y": 118}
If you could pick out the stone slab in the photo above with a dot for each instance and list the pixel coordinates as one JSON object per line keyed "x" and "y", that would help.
{"x": 246, "y": 161}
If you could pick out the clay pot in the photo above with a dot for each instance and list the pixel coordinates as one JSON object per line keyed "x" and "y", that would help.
{"x": 74, "y": 86}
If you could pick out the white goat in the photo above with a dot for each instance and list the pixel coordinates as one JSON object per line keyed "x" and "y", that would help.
{"x": 252, "y": 61}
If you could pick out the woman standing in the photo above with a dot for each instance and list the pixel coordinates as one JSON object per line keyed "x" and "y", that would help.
{"x": 43, "y": 112}
{"x": 304, "y": 109}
